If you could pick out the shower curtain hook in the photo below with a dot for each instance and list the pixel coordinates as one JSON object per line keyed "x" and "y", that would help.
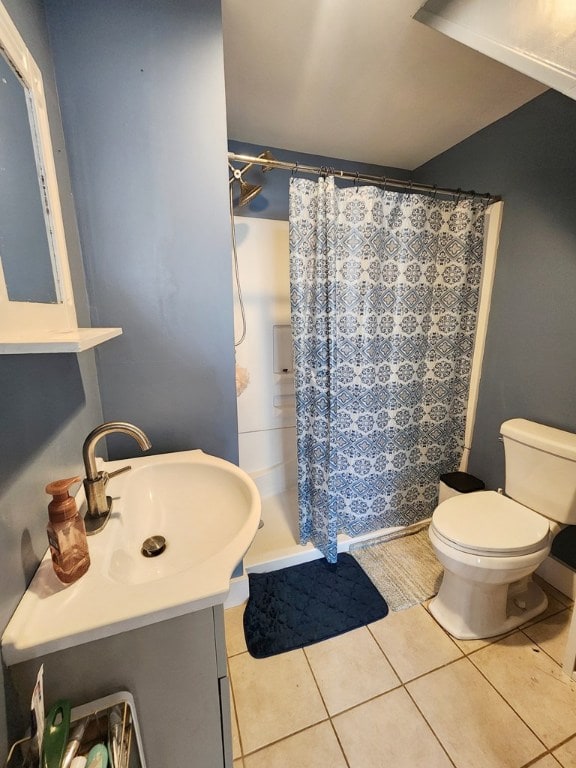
{"x": 356, "y": 181}
{"x": 295, "y": 168}
{"x": 435, "y": 192}
{"x": 458, "y": 194}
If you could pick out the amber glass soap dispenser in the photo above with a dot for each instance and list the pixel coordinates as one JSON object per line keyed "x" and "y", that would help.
{"x": 66, "y": 533}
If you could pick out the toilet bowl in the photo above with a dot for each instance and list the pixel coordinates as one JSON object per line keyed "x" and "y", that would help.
{"x": 490, "y": 544}
{"x": 487, "y": 543}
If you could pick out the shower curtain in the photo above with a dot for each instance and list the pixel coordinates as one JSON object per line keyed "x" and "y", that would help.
{"x": 384, "y": 295}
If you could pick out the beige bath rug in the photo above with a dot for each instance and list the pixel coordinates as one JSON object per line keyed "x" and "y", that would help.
{"x": 402, "y": 566}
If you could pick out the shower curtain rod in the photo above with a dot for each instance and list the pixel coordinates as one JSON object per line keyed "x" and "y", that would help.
{"x": 410, "y": 186}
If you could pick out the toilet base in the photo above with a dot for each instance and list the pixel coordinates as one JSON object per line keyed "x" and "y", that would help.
{"x": 471, "y": 611}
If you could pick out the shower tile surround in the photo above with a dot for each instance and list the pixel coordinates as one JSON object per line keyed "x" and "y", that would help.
{"x": 401, "y": 692}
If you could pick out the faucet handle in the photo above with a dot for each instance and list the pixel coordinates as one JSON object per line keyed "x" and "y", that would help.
{"x": 119, "y": 471}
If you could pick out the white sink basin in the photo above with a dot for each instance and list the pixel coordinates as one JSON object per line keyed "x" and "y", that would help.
{"x": 208, "y": 512}
{"x": 200, "y": 505}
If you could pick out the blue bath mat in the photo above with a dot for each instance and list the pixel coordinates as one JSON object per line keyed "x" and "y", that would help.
{"x": 307, "y": 603}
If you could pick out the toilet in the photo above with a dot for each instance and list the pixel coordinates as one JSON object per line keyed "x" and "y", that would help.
{"x": 490, "y": 544}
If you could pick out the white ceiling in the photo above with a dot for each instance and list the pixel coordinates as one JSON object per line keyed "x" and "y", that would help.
{"x": 357, "y": 79}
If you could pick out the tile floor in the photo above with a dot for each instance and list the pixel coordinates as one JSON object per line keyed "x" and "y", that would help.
{"x": 401, "y": 693}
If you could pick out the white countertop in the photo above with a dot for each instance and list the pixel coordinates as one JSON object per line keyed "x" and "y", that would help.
{"x": 52, "y": 616}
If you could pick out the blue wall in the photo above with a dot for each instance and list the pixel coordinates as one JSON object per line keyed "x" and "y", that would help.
{"x": 529, "y": 157}
{"x": 272, "y": 202}
{"x": 142, "y": 95}
{"x": 141, "y": 88}
{"x": 49, "y": 402}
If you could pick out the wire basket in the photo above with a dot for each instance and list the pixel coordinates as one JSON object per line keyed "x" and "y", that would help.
{"x": 97, "y": 715}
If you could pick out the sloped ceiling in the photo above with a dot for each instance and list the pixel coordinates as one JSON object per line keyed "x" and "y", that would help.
{"x": 534, "y": 37}
{"x": 358, "y": 80}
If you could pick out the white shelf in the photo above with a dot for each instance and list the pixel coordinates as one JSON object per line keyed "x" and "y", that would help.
{"x": 76, "y": 340}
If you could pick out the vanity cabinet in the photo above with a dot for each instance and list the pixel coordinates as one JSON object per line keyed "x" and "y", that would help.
{"x": 175, "y": 669}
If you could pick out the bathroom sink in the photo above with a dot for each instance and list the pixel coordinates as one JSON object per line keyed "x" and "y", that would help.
{"x": 199, "y": 505}
{"x": 207, "y": 511}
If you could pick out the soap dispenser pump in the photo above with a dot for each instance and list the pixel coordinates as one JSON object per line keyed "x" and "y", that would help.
{"x": 66, "y": 533}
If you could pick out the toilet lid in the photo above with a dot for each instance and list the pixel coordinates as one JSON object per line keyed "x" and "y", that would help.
{"x": 488, "y": 523}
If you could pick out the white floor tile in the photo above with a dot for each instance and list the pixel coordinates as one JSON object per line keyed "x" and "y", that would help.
{"x": 234, "y": 629}
{"x": 475, "y": 725}
{"x": 533, "y": 684}
{"x": 413, "y": 642}
{"x": 274, "y": 697}
{"x": 236, "y": 748}
{"x": 552, "y": 634}
{"x": 316, "y": 747}
{"x": 350, "y": 669}
{"x": 389, "y": 731}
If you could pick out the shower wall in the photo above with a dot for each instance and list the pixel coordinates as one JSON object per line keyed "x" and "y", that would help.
{"x": 266, "y": 408}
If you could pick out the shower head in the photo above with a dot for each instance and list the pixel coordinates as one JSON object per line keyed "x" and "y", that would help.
{"x": 248, "y": 191}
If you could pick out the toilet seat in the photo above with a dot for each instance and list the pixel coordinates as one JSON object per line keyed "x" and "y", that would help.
{"x": 489, "y": 524}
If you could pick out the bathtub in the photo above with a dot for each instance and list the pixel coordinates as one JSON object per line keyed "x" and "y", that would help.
{"x": 276, "y": 542}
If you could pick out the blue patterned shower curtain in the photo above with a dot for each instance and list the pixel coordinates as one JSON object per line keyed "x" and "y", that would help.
{"x": 384, "y": 298}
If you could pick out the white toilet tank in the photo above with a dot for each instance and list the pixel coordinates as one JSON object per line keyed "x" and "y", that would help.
{"x": 541, "y": 468}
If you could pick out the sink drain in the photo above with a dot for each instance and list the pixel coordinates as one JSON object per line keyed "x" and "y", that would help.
{"x": 153, "y": 546}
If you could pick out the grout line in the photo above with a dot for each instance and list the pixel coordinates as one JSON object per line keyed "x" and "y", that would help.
{"x": 403, "y": 685}
{"x": 536, "y": 760}
{"x": 501, "y": 695}
{"x": 340, "y": 743}
{"x": 316, "y": 682}
{"x": 233, "y": 697}
{"x": 438, "y": 739}
{"x": 564, "y": 741}
{"x": 366, "y": 701}
{"x": 236, "y": 653}
{"x": 543, "y": 650}
{"x": 423, "y": 674}
{"x": 373, "y": 636}
{"x": 288, "y": 736}
{"x": 540, "y": 619}
{"x": 326, "y": 708}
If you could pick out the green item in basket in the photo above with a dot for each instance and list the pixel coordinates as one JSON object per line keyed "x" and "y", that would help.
{"x": 56, "y": 729}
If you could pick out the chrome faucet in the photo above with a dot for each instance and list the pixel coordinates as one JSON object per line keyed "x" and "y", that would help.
{"x": 99, "y": 505}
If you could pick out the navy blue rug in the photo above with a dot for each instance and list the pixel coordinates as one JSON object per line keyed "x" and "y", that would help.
{"x": 307, "y": 603}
